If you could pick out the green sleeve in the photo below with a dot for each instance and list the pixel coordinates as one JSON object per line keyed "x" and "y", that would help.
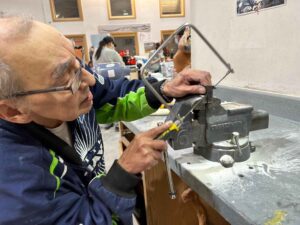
{"x": 132, "y": 106}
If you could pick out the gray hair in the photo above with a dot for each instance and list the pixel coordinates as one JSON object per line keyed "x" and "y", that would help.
{"x": 19, "y": 27}
{"x": 8, "y": 82}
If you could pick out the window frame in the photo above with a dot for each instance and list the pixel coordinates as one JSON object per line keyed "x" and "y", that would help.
{"x": 167, "y": 32}
{"x": 53, "y": 13}
{"x": 83, "y": 36}
{"x": 128, "y": 34}
{"x": 111, "y": 17}
{"x": 181, "y": 14}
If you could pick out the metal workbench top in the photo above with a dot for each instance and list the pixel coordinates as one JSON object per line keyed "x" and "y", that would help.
{"x": 263, "y": 190}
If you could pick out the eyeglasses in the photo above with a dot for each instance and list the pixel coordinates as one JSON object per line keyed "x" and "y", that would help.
{"x": 73, "y": 86}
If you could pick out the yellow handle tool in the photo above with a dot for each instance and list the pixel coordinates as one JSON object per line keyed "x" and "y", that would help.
{"x": 165, "y": 136}
{"x": 173, "y": 128}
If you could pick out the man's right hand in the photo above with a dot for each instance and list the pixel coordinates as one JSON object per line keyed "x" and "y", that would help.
{"x": 144, "y": 151}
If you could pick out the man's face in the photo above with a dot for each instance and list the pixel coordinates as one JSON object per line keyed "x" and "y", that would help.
{"x": 43, "y": 60}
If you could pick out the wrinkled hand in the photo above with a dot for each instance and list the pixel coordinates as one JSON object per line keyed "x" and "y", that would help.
{"x": 143, "y": 151}
{"x": 186, "y": 82}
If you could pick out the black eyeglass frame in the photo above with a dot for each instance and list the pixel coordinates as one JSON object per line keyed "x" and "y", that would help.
{"x": 73, "y": 86}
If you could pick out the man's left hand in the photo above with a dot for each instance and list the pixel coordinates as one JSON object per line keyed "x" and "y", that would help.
{"x": 188, "y": 81}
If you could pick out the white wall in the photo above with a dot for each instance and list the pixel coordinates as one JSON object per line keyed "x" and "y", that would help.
{"x": 27, "y": 7}
{"x": 263, "y": 48}
{"x": 95, "y": 14}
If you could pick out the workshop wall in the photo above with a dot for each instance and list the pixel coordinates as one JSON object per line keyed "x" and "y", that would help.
{"x": 95, "y": 14}
{"x": 28, "y": 7}
{"x": 263, "y": 48}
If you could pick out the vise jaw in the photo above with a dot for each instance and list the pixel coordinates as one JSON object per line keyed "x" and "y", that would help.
{"x": 216, "y": 129}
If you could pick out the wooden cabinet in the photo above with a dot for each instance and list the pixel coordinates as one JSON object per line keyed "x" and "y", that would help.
{"x": 154, "y": 206}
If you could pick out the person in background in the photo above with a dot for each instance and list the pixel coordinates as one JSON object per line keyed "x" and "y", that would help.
{"x": 91, "y": 52}
{"x": 155, "y": 62}
{"x": 182, "y": 57}
{"x": 106, "y": 52}
{"x": 166, "y": 53}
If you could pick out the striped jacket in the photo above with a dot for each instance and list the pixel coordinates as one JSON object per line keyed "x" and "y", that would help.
{"x": 45, "y": 181}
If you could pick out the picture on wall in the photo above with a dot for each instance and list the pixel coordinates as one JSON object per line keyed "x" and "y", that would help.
{"x": 62, "y": 11}
{"x": 124, "y": 9}
{"x": 171, "y": 8}
{"x": 248, "y": 6}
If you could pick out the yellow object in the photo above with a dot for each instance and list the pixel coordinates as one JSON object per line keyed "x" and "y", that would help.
{"x": 277, "y": 219}
{"x": 174, "y": 127}
{"x": 161, "y": 112}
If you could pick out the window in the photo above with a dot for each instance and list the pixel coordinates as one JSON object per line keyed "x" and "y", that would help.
{"x": 171, "y": 8}
{"x": 148, "y": 46}
{"x": 66, "y": 10}
{"x": 172, "y": 47}
{"x": 126, "y": 41}
{"x": 121, "y": 9}
{"x": 79, "y": 40}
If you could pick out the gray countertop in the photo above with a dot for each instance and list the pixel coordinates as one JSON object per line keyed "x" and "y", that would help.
{"x": 262, "y": 190}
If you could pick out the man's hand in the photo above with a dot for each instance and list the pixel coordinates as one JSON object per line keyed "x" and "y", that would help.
{"x": 187, "y": 82}
{"x": 144, "y": 151}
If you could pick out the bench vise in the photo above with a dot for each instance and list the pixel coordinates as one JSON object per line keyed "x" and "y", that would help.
{"x": 219, "y": 131}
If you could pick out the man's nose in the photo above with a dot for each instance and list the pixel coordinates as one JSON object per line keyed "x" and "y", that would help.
{"x": 88, "y": 78}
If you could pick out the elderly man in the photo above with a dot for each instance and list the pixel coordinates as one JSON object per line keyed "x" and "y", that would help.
{"x": 51, "y": 150}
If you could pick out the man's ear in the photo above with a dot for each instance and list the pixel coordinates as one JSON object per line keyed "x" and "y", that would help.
{"x": 10, "y": 112}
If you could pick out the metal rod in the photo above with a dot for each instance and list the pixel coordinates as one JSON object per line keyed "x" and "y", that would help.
{"x": 228, "y": 72}
{"x": 172, "y": 192}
